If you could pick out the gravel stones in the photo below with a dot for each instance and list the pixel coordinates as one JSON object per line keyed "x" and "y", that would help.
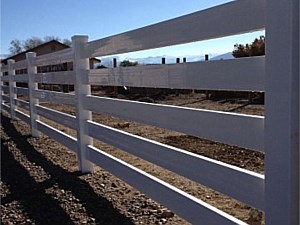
{"x": 39, "y": 186}
{"x": 40, "y": 183}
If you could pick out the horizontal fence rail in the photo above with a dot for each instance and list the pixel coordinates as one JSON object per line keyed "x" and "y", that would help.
{"x": 5, "y": 78}
{"x": 5, "y": 89}
{"x": 61, "y": 77}
{"x": 21, "y": 91}
{"x": 168, "y": 195}
{"x": 61, "y": 56}
{"x": 5, "y": 98}
{"x": 247, "y": 131}
{"x": 20, "y": 65}
{"x": 59, "y": 136}
{"x": 21, "y": 78}
{"x": 241, "y": 75}
{"x": 22, "y": 116}
{"x": 55, "y": 97}
{"x": 4, "y": 68}
{"x": 222, "y": 177}
{"x": 58, "y": 117}
{"x": 5, "y": 107}
{"x": 222, "y": 22}
{"x": 23, "y": 104}
{"x": 242, "y": 130}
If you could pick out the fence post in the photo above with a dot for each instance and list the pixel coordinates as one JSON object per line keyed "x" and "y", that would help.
{"x": 32, "y": 86}
{"x": 114, "y": 62}
{"x": 207, "y": 92}
{"x": 12, "y": 86}
{"x": 115, "y": 66}
{"x": 81, "y": 65}
{"x": 206, "y": 57}
{"x": 282, "y": 113}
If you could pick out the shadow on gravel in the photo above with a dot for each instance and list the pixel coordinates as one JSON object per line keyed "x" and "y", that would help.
{"x": 39, "y": 206}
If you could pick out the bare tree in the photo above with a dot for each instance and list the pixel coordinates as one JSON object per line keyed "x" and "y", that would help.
{"x": 51, "y": 38}
{"x": 32, "y": 43}
{"x": 15, "y": 47}
{"x": 67, "y": 42}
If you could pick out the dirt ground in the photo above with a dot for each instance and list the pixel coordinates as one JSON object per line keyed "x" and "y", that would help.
{"x": 40, "y": 182}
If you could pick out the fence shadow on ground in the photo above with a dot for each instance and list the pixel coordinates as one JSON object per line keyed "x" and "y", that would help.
{"x": 37, "y": 204}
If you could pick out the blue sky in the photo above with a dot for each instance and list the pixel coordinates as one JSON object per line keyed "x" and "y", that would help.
{"x": 23, "y": 19}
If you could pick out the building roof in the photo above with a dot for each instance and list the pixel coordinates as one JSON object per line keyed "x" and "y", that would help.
{"x": 35, "y": 49}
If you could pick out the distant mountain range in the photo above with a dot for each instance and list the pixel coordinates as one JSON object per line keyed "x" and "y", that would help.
{"x": 169, "y": 59}
{"x": 225, "y": 56}
{"x": 157, "y": 59}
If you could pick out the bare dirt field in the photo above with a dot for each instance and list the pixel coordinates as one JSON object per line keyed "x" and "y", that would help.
{"x": 40, "y": 182}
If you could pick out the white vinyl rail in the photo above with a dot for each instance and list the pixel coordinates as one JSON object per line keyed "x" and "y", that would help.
{"x": 276, "y": 134}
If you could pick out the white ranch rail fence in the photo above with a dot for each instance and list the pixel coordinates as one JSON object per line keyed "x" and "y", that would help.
{"x": 277, "y": 134}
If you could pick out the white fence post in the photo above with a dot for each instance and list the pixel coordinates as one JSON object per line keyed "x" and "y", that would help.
{"x": 12, "y": 86}
{"x": 32, "y": 86}
{"x": 282, "y": 113}
{"x": 81, "y": 65}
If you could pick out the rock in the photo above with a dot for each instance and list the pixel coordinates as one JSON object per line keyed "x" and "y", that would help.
{"x": 255, "y": 217}
{"x": 163, "y": 220}
{"x": 166, "y": 214}
{"x": 145, "y": 99}
{"x": 121, "y": 125}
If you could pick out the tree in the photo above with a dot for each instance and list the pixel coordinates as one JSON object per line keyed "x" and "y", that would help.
{"x": 50, "y": 38}
{"x": 126, "y": 63}
{"x": 15, "y": 47}
{"x": 64, "y": 41}
{"x": 32, "y": 43}
{"x": 257, "y": 48}
{"x": 67, "y": 42}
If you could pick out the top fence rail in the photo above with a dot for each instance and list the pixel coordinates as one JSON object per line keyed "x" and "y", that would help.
{"x": 219, "y": 21}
